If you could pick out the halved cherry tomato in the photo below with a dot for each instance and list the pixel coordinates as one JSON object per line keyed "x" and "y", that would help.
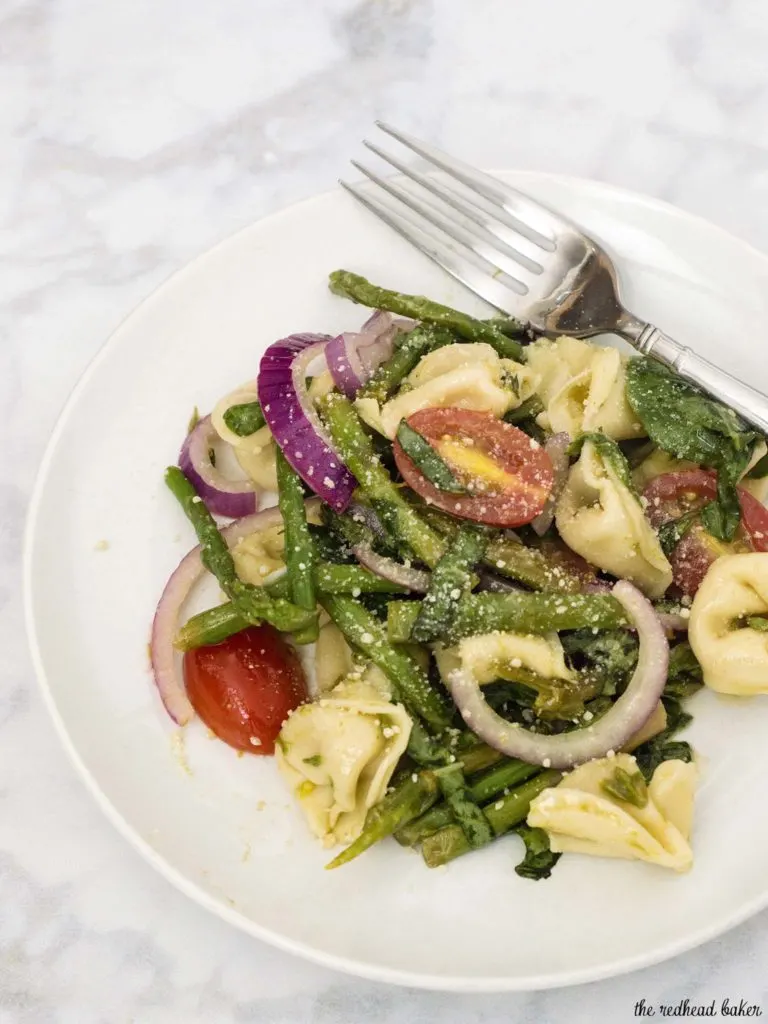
{"x": 673, "y": 494}
{"x": 244, "y": 688}
{"x": 508, "y": 475}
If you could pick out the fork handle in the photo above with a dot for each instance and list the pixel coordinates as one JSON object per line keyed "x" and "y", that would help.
{"x": 749, "y": 403}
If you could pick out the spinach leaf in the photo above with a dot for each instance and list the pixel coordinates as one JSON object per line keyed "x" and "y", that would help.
{"x": 760, "y": 469}
{"x": 466, "y": 811}
{"x": 612, "y": 456}
{"x": 689, "y": 425}
{"x": 609, "y": 656}
{"x": 684, "y": 675}
{"x": 758, "y": 622}
{"x": 630, "y": 788}
{"x": 539, "y": 859}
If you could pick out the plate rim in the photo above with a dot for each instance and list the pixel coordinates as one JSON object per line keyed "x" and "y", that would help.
{"x": 345, "y": 965}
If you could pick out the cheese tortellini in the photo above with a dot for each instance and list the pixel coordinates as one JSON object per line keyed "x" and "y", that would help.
{"x": 580, "y": 816}
{"x": 259, "y": 555}
{"x": 255, "y": 452}
{"x": 733, "y": 655}
{"x": 333, "y": 657}
{"x": 582, "y": 388}
{"x": 463, "y": 376}
{"x": 600, "y": 519}
{"x": 491, "y": 655}
{"x": 338, "y": 754}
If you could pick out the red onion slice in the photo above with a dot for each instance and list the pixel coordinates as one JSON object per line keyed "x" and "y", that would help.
{"x": 353, "y": 357}
{"x": 293, "y": 421}
{"x": 224, "y": 497}
{"x": 556, "y": 448}
{"x": 168, "y": 679}
{"x": 566, "y": 750}
{"x": 414, "y": 579}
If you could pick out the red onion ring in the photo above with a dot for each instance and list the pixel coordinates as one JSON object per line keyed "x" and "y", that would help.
{"x": 233, "y": 498}
{"x": 353, "y": 357}
{"x": 414, "y": 579}
{"x": 566, "y": 750}
{"x": 293, "y": 421}
{"x": 556, "y": 448}
{"x": 163, "y": 655}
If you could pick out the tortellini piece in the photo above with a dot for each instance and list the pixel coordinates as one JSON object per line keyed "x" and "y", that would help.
{"x": 600, "y": 519}
{"x": 255, "y": 453}
{"x": 732, "y": 653}
{"x": 491, "y": 655}
{"x": 338, "y": 754}
{"x": 463, "y": 376}
{"x": 259, "y": 555}
{"x": 333, "y": 657}
{"x": 580, "y": 816}
{"x": 582, "y": 387}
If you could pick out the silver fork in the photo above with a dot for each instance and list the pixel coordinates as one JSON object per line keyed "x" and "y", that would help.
{"x": 529, "y": 262}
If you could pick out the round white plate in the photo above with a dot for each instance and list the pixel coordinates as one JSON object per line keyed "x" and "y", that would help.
{"x": 104, "y": 534}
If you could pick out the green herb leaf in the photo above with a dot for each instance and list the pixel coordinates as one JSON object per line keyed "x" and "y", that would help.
{"x": 630, "y": 788}
{"x": 244, "y": 419}
{"x": 671, "y": 533}
{"x": 427, "y": 460}
{"x": 539, "y": 859}
{"x": 611, "y": 454}
{"x": 466, "y": 811}
{"x": 689, "y": 425}
{"x": 315, "y": 760}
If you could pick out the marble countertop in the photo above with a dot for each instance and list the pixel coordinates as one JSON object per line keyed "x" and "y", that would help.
{"x": 133, "y": 135}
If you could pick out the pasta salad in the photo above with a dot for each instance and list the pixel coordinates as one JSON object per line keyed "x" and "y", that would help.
{"x": 498, "y": 568}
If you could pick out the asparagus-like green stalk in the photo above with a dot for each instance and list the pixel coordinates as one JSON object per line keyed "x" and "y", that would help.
{"x": 299, "y": 549}
{"x": 409, "y": 799}
{"x": 412, "y": 795}
{"x": 245, "y": 419}
{"x": 253, "y": 604}
{"x": 519, "y": 613}
{"x": 354, "y": 287}
{"x": 451, "y": 577}
{"x": 502, "y": 814}
{"x": 410, "y": 683}
{"x": 356, "y": 451}
{"x": 506, "y": 775}
{"x": 216, "y": 624}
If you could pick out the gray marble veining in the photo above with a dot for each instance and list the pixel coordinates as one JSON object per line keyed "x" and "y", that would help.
{"x": 133, "y": 136}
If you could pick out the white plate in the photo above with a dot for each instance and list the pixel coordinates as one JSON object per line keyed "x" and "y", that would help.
{"x": 224, "y": 829}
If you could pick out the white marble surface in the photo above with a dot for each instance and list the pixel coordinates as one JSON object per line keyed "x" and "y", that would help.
{"x": 135, "y": 133}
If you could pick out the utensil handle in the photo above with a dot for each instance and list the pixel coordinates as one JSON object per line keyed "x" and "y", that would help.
{"x": 749, "y": 403}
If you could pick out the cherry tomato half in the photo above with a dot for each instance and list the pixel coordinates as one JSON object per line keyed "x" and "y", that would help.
{"x": 508, "y": 475}
{"x": 672, "y": 494}
{"x": 244, "y": 687}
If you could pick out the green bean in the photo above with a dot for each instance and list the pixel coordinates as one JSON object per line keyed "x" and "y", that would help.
{"x": 451, "y": 577}
{"x": 216, "y": 624}
{"x": 410, "y": 683}
{"x": 354, "y": 287}
{"x": 254, "y": 604}
{"x": 409, "y": 799}
{"x": 470, "y": 818}
{"x": 506, "y": 775}
{"x": 503, "y": 815}
{"x": 519, "y": 613}
{"x": 299, "y": 549}
{"x": 245, "y": 419}
{"x": 356, "y": 451}
{"x": 393, "y": 372}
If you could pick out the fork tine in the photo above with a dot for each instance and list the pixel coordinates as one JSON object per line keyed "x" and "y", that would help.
{"x": 496, "y": 261}
{"x": 464, "y": 270}
{"x": 533, "y": 218}
{"x": 495, "y": 229}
